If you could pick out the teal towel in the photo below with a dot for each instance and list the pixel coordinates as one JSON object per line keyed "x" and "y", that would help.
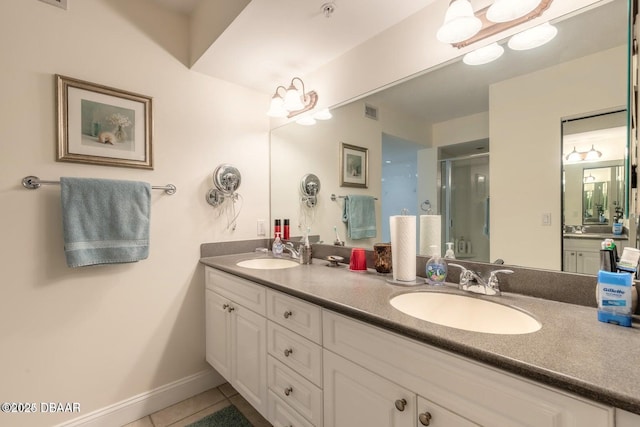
{"x": 360, "y": 215}
{"x": 104, "y": 221}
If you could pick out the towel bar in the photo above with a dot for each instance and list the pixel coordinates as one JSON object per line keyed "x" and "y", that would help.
{"x": 334, "y": 197}
{"x": 33, "y": 183}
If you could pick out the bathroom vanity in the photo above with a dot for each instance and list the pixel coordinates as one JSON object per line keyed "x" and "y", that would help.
{"x": 313, "y": 345}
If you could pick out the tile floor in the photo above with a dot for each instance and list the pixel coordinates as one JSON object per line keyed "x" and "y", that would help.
{"x": 192, "y": 409}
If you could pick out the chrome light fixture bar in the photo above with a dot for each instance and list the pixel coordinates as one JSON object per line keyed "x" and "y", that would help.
{"x": 294, "y": 101}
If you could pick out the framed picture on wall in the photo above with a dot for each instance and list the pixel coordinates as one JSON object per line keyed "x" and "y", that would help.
{"x": 354, "y": 166}
{"x": 101, "y": 125}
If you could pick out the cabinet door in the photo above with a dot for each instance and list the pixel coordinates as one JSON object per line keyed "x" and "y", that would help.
{"x": 218, "y": 330}
{"x": 588, "y": 262}
{"x": 354, "y": 396}
{"x": 249, "y": 356}
{"x": 569, "y": 261}
{"x": 430, "y": 414}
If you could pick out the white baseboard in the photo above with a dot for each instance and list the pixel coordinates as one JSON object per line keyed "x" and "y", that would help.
{"x": 146, "y": 403}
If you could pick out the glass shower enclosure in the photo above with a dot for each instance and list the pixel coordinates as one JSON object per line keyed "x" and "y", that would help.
{"x": 465, "y": 207}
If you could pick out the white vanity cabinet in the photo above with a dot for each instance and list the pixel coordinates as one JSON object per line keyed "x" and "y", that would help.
{"x": 627, "y": 419}
{"x": 236, "y": 334}
{"x": 295, "y": 367}
{"x": 468, "y": 392}
{"x": 583, "y": 255}
{"x": 301, "y": 365}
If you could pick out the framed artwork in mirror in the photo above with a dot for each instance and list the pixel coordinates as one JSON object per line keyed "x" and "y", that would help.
{"x": 354, "y": 166}
{"x": 101, "y": 125}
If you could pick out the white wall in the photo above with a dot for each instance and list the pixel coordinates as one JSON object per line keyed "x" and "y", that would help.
{"x": 99, "y": 335}
{"x": 526, "y": 140}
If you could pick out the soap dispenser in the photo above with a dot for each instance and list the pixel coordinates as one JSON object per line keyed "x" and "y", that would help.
{"x": 278, "y": 247}
{"x": 449, "y": 253}
{"x": 436, "y": 269}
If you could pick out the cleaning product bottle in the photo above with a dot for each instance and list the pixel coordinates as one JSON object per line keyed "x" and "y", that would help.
{"x": 436, "y": 269}
{"x": 277, "y": 248}
{"x": 614, "y": 298}
{"x": 449, "y": 253}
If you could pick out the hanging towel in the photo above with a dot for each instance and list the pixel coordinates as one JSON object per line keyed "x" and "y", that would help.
{"x": 360, "y": 215}
{"x": 104, "y": 221}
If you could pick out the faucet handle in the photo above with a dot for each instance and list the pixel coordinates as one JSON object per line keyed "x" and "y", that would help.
{"x": 493, "y": 280}
{"x": 465, "y": 274}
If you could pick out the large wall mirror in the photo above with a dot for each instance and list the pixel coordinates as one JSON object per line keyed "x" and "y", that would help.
{"x": 501, "y": 122}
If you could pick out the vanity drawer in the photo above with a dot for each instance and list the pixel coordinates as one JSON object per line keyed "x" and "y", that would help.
{"x": 295, "y": 314}
{"x": 297, "y": 392}
{"x": 238, "y": 290}
{"x": 281, "y": 415}
{"x": 298, "y": 353}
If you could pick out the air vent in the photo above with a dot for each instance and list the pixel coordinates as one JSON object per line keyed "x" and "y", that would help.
{"x": 371, "y": 112}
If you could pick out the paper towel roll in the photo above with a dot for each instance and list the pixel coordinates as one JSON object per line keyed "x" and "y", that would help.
{"x": 403, "y": 247}
{"x": 430, "y": 234}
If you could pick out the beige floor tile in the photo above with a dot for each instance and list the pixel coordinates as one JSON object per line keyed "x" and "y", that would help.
{"x": 188, "y": 407}
{"x": 228, "y": 390}
{"x": 142, "y": 422}
{"x": 201, "y": 414}
{"x": 249, "y": 412}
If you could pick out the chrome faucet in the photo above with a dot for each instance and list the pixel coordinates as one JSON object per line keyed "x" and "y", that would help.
{"x": 473, "y": 282}
{"x": 289, "y": 247}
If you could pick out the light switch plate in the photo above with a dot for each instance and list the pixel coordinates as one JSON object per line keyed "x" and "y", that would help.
{"x": 59, "y": 3}
{"x": 261, "y": 230}
{"x": 546, "y": 218}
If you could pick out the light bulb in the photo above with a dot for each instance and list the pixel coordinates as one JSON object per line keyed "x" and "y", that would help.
{"x": 460, "y": 23}
{"x": 484, "y": 55}
{"x": 533, "y": 37}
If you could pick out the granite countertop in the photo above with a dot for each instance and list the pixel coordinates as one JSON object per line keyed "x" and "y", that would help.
{"x": 572, "y": 351}
{"x": 598, "y": 236}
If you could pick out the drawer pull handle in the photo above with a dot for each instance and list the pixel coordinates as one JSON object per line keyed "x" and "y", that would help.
{"x": 425, "y": 418}
{"x": 400, "y": 404}
{"x": 230, "y": 309}
{"x": 288, "y": 314}
{"x": 288, "y": 352}
{"x": 225, "y": 306}
{"x": 288, "y": 391}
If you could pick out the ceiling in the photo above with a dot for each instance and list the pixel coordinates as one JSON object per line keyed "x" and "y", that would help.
{"x": 271, "y": 41}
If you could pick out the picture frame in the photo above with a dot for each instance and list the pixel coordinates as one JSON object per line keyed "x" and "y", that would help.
{"x": 354, "y": 166}
{"x": 101, "y": 125}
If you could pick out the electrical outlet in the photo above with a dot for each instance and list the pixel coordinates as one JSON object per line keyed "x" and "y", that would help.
{"x": 261, "y": 230}
{"x": 59, "y": 3}
{"x": 546, "y": 218}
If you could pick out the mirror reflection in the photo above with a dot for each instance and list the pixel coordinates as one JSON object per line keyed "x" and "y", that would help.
{"x": 510, "y": 111}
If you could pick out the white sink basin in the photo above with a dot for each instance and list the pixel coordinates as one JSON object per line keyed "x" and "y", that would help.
{"x": 268, "y": 263}
{"x": 464, "y": 312}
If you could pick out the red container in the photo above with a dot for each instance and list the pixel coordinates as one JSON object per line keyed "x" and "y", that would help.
{"x": 358, "y": 260}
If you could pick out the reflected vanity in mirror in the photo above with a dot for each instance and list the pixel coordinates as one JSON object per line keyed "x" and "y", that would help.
{"x": 511, "y": 111}
{"x": 594, "y": 198}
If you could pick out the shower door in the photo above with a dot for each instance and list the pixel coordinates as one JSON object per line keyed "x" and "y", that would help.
{"x": 464, "y": 195}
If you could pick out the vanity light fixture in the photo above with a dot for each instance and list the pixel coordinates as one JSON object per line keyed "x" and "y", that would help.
{"x": 294, "y": 101}
{"x": 576, "y": 156}
{"x": 484, "y": 55}
{"x": 589, "y": 179}
{"x": 463, "y": 27}
{"x": 533, "y": 37}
